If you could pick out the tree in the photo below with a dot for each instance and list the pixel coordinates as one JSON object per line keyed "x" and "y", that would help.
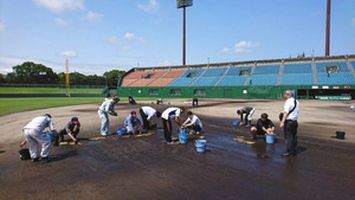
{"x": 29, "y": 72}
{"x": 2, "y": 78}
{"x": 112, "y": 77}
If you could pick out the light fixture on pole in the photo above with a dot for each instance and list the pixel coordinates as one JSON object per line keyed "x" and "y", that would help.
{"x": 183, "y": 4}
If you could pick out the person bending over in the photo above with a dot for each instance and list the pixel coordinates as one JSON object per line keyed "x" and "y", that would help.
{"x": 263, "y": 126}
{"x": 107, "y": 108}
{"x": 169, "y": 114}
{"x": 193, "y": 123}
{"x": 147, "y": 113}
{"x": 245, "y": 115}
{"x": 38, "y": 140}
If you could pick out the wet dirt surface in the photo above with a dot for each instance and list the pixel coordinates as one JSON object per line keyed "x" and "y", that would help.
{"x": 146, "y": 168}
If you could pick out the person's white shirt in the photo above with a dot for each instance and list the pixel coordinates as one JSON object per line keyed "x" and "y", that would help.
{"x": 171, "y": 113}
{"x": 107, "y": 106}
{"x": 195, "y": 121}
{"x": 289, "y": 104}
{"x": 40, "y": 124}
{"x": 148, "y": 111}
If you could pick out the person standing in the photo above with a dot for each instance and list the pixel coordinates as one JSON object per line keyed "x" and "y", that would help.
{"x": 289, "y": 123}
{"x": 39, "y": 141}
{"x": 107, "y": 108}
{"x": 167, "y": 116}
{"x": 147, "y": 113}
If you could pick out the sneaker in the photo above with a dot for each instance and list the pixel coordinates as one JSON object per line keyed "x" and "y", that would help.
{"x": 287, "y": 154}
{"x": 171, "y": 143}
{"x": 35, "y": 159}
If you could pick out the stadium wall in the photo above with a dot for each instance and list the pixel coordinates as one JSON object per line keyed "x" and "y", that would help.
{"x": 264, "y": 92}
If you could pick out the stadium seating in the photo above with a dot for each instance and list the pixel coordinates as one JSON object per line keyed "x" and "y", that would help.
{"x": 298, "y": 68}
{"x": 267, "y": 79}
{"x": 267, "y": 69}
{"x": 205, "y": 81}
{"x": 297, "y": 79}
{"x": 296, "y": 73}
{"x": 214, "y": 72}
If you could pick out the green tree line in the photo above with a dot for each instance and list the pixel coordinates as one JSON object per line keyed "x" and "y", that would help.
{"x": 33, "y": 73}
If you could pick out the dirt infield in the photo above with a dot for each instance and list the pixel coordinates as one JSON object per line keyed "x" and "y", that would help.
{"x": 146, "y": 168}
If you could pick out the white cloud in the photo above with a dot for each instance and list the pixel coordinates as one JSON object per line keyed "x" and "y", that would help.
{"x": 69, "y": 53}
{"x": 133, "y": 36}
{"x": 129, "y": 35}
{"x": 113, "y": 40}
{"x": 2, "y": 26}
{"x": 61, "y": 22}
{"x": 93, "y": 16}
{"x": 243, "y": 46}
{"x": 226, "y": 50}
{"x": 60, "y": 5}
{"x": 150, "y": 6}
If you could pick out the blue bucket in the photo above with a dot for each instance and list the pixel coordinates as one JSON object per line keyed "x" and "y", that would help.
{"x": 270, "y": 138}
{"x": 121, "y": 131}
{"x": 183, "y": 136}
{"x": 200, "y": 146}
{"x": 235, "y": 123}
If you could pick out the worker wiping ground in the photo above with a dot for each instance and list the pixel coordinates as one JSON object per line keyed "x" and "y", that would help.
{"x": 245, "y": 115}
{"x": 133, "y": 124}
{"x": 107, "y": 108}
{"x": 169, "y": 114}
{"x": 263, "y": 126}
{"x": 289, "y": 122}
{"x": 193, "y": 123}
{"x": 148, "y": 113}
{"x": 37, "y": 138}
{"x": 72, "y": 129}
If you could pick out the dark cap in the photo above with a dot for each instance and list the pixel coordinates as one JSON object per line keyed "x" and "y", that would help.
{"x": 48, "y": 115}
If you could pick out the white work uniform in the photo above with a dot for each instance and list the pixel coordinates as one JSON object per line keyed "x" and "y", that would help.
{"x": 195, "y": 121}
{"x": 148, "y": 111}
{"x": 106, "y": 107}
{"x": 39, "y": 142}
{"x": 289, "y": 104}
{"x": 171, "y": 113}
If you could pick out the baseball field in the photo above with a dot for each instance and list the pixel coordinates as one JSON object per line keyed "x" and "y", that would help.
{"x": 115, "y": 167}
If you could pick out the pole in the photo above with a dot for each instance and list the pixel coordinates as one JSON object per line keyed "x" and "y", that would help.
{"x": 327, "y": 30}
{"x": 184, "y": 37}
{"x": 67, "y": 82}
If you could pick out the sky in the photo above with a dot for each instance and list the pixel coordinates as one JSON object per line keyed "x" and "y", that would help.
{"x": 101, "y": 35}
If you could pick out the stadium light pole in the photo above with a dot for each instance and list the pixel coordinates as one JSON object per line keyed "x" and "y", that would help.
{"x": 183, "y": 4}
{"x": 327, "y": 29}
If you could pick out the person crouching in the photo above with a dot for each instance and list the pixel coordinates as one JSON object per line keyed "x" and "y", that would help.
{"x": 263, "y": 126}
{"x": 193, "y": 123}
{"x": 133, "y": 124}
{"x": 72, "y": 129}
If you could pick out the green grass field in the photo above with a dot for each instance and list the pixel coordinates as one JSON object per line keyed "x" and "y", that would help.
{"x": 39, "y": 90}
{"x": 12, "y": 105}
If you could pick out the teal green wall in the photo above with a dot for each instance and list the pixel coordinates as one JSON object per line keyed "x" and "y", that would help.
{"x": 264, "y": 92}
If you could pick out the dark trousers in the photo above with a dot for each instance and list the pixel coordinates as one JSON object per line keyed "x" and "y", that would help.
{"x": 168, "y": 128}
{"x": 196, "y": 128}
{"x": 195, "y": 102}
{"x": 290, "y": 132}
{"x": 146, "y": 124}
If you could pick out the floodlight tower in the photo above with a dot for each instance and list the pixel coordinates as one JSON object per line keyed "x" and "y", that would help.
{"x": 183, "y": 4}
{"x": 327, "y": 30}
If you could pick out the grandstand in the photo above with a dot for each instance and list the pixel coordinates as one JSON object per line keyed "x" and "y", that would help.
{"x": 309, "y": 77}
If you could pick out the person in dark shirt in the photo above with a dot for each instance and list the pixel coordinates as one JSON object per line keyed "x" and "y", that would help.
{"x": 72, "y": 128}
{"x": 263, "y": 126}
